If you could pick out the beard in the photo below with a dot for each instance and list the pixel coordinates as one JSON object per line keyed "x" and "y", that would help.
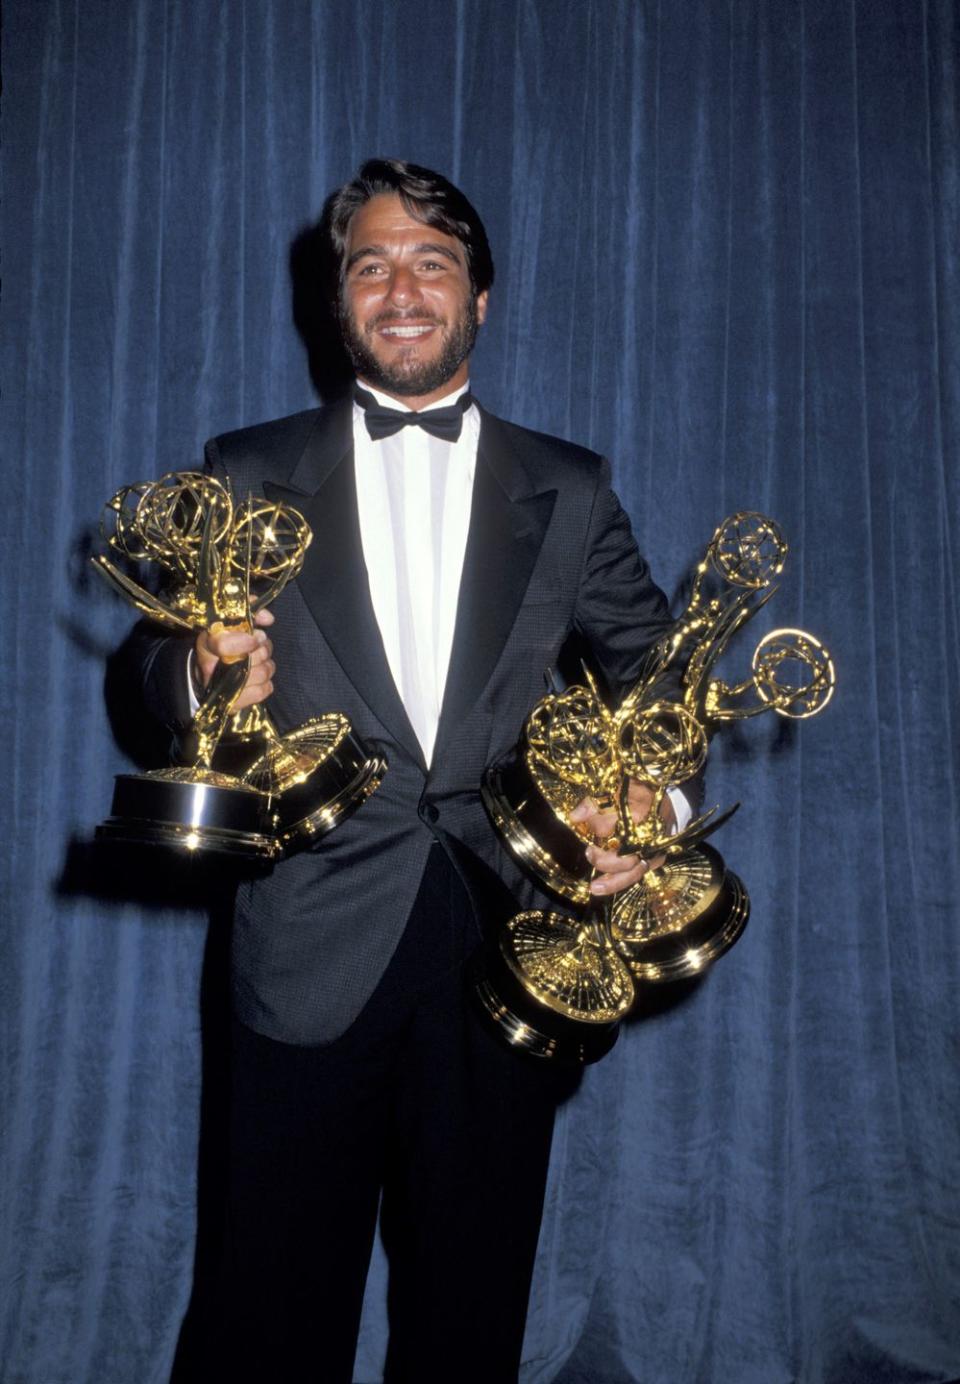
{"x": 408, "y": 374}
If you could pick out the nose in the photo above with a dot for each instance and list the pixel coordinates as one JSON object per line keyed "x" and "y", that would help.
{"x": 404, "y": 288}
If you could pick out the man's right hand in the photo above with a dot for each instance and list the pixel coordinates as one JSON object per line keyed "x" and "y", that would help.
{"x": 230, "y": 645}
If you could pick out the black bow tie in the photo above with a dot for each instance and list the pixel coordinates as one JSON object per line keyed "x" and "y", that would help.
{"x": 440, "y": 422}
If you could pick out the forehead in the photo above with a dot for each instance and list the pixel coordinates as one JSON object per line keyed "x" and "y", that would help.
{"x": 385, "y": 223}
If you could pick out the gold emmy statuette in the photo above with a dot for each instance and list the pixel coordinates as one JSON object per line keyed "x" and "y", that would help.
{"x": 558, "y": 985}
{"x": 244, "y": 788}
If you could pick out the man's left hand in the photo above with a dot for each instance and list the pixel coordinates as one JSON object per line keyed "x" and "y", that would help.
{"x": 616, "y": 872}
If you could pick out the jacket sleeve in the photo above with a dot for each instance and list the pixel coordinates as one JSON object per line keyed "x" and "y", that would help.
{"x": 620, "y": 611}
{"x": 154, "y": 667}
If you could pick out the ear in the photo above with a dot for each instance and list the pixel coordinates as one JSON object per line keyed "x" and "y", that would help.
{"x": 482, "y": 305}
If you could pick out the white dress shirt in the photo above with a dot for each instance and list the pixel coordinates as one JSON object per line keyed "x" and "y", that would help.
{"x": 414, "y": 493}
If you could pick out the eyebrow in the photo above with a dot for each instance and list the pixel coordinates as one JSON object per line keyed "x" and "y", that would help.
{"x": 427, "y": 247}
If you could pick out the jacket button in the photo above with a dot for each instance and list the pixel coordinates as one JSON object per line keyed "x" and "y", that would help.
{"x": 430, "y": 812}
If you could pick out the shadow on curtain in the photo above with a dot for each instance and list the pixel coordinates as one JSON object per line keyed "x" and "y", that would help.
{"x": 727, "y": 256}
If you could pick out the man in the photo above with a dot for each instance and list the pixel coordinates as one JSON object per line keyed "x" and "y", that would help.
{"x": 445, "y": 575}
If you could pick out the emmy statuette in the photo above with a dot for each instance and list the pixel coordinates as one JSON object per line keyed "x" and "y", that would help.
{"x": 558, "y": 984}
{"x": 244, "y": 789}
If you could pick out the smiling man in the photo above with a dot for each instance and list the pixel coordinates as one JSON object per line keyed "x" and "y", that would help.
{"x": 453, "y": 556}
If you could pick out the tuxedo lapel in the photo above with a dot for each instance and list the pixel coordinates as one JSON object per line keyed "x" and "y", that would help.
{"x": 333, "y": 579}
{"x": 508, "y": 520}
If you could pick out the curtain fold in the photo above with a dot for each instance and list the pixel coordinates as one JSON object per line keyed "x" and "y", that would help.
{"x": 727, "y": 257}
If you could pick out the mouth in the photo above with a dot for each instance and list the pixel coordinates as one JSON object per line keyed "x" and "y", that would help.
{"x": 405, "y": 331}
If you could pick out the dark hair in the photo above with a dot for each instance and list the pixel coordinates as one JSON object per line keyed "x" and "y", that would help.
{"x": 426, "y": 196}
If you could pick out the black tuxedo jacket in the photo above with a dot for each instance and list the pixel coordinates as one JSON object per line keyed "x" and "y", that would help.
{"x": 549, "y": 552}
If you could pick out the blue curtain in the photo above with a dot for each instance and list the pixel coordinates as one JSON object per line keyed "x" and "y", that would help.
{"x": 727, "y": 244}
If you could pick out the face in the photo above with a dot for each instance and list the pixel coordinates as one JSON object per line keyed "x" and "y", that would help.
{"x": 408, "y": 311}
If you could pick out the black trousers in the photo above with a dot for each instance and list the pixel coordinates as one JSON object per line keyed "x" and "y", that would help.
{"x": 418, "y": 1104}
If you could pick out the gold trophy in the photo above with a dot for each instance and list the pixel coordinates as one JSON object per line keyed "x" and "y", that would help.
{"x": 245, "y": 789}
{"x": 558, "y": 985}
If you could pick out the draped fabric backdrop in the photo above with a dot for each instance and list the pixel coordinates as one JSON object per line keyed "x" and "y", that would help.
{"x": 727, "y": 246}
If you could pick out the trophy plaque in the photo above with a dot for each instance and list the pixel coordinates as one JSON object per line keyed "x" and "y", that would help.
{"x": 558, "y": 984}
{"x": 244, "y": 789}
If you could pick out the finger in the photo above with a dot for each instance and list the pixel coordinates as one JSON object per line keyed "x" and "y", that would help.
{"x": 263, "y": 672}
{"x": 233, "y": 645}
{"x": 230, "y": 646}
{"x": 613, "y": 884}
{"x": 264, "y": 617}
{"x": 262, "y": 652}
{"x": 253, "y": 694}
{"x": 584, "y": 810}
{"x": 610, "y": 862}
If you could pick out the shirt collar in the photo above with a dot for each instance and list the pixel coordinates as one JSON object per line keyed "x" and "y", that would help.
{"x": 388, "y": 401}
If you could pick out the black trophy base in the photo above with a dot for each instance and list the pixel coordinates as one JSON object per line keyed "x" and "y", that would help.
{"x": 190, "y": 810}
{"x": 523, "y": 817}
{"x": 686, "y": 915}
{"x": 524, "y": 1023}
{"x": 326, "y": 795}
